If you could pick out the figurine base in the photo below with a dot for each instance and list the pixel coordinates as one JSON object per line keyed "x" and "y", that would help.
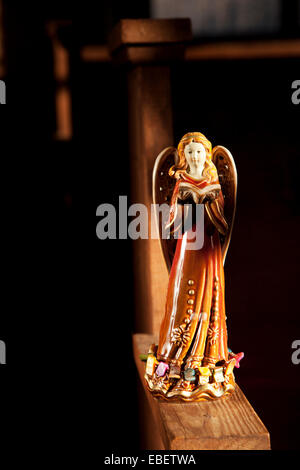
{"x": 183, "y": 390}
{"x": 190, "y": 382}
{"x": 173, "y": 424}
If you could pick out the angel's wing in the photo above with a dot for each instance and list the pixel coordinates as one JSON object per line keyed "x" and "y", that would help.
{"x": 162, "y": 188}
{"x": 224, "y": 162}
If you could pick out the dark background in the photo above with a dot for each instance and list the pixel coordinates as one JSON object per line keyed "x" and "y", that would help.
{"x": 76, "y": 346}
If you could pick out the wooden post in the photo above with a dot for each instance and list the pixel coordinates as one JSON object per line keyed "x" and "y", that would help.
{"x": 61, "y": 72}
{"x": 147, "y": 47}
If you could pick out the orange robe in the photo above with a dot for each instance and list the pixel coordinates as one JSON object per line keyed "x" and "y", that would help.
{"x": 194, "y": 330}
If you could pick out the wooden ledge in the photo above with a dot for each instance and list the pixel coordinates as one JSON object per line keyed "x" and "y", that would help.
{"x": 224, "y": 424}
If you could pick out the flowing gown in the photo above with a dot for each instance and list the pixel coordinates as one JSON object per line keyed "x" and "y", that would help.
{"x": 193, "y": 331}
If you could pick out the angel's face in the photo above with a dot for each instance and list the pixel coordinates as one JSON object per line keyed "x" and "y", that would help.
{"x": 195, "y": 155}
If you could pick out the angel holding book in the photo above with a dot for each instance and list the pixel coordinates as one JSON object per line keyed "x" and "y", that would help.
{"x": 192, "y": 360}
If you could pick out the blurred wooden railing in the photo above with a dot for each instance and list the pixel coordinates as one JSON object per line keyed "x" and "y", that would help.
{"x": 101, "y": 53}
{"x": 233, "y": 50}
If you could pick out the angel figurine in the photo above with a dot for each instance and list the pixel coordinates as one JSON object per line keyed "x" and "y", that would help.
{"x": 192, "y": 361}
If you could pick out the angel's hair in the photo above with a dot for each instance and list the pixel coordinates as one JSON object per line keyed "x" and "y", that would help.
{"x": 210, "y": 171}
